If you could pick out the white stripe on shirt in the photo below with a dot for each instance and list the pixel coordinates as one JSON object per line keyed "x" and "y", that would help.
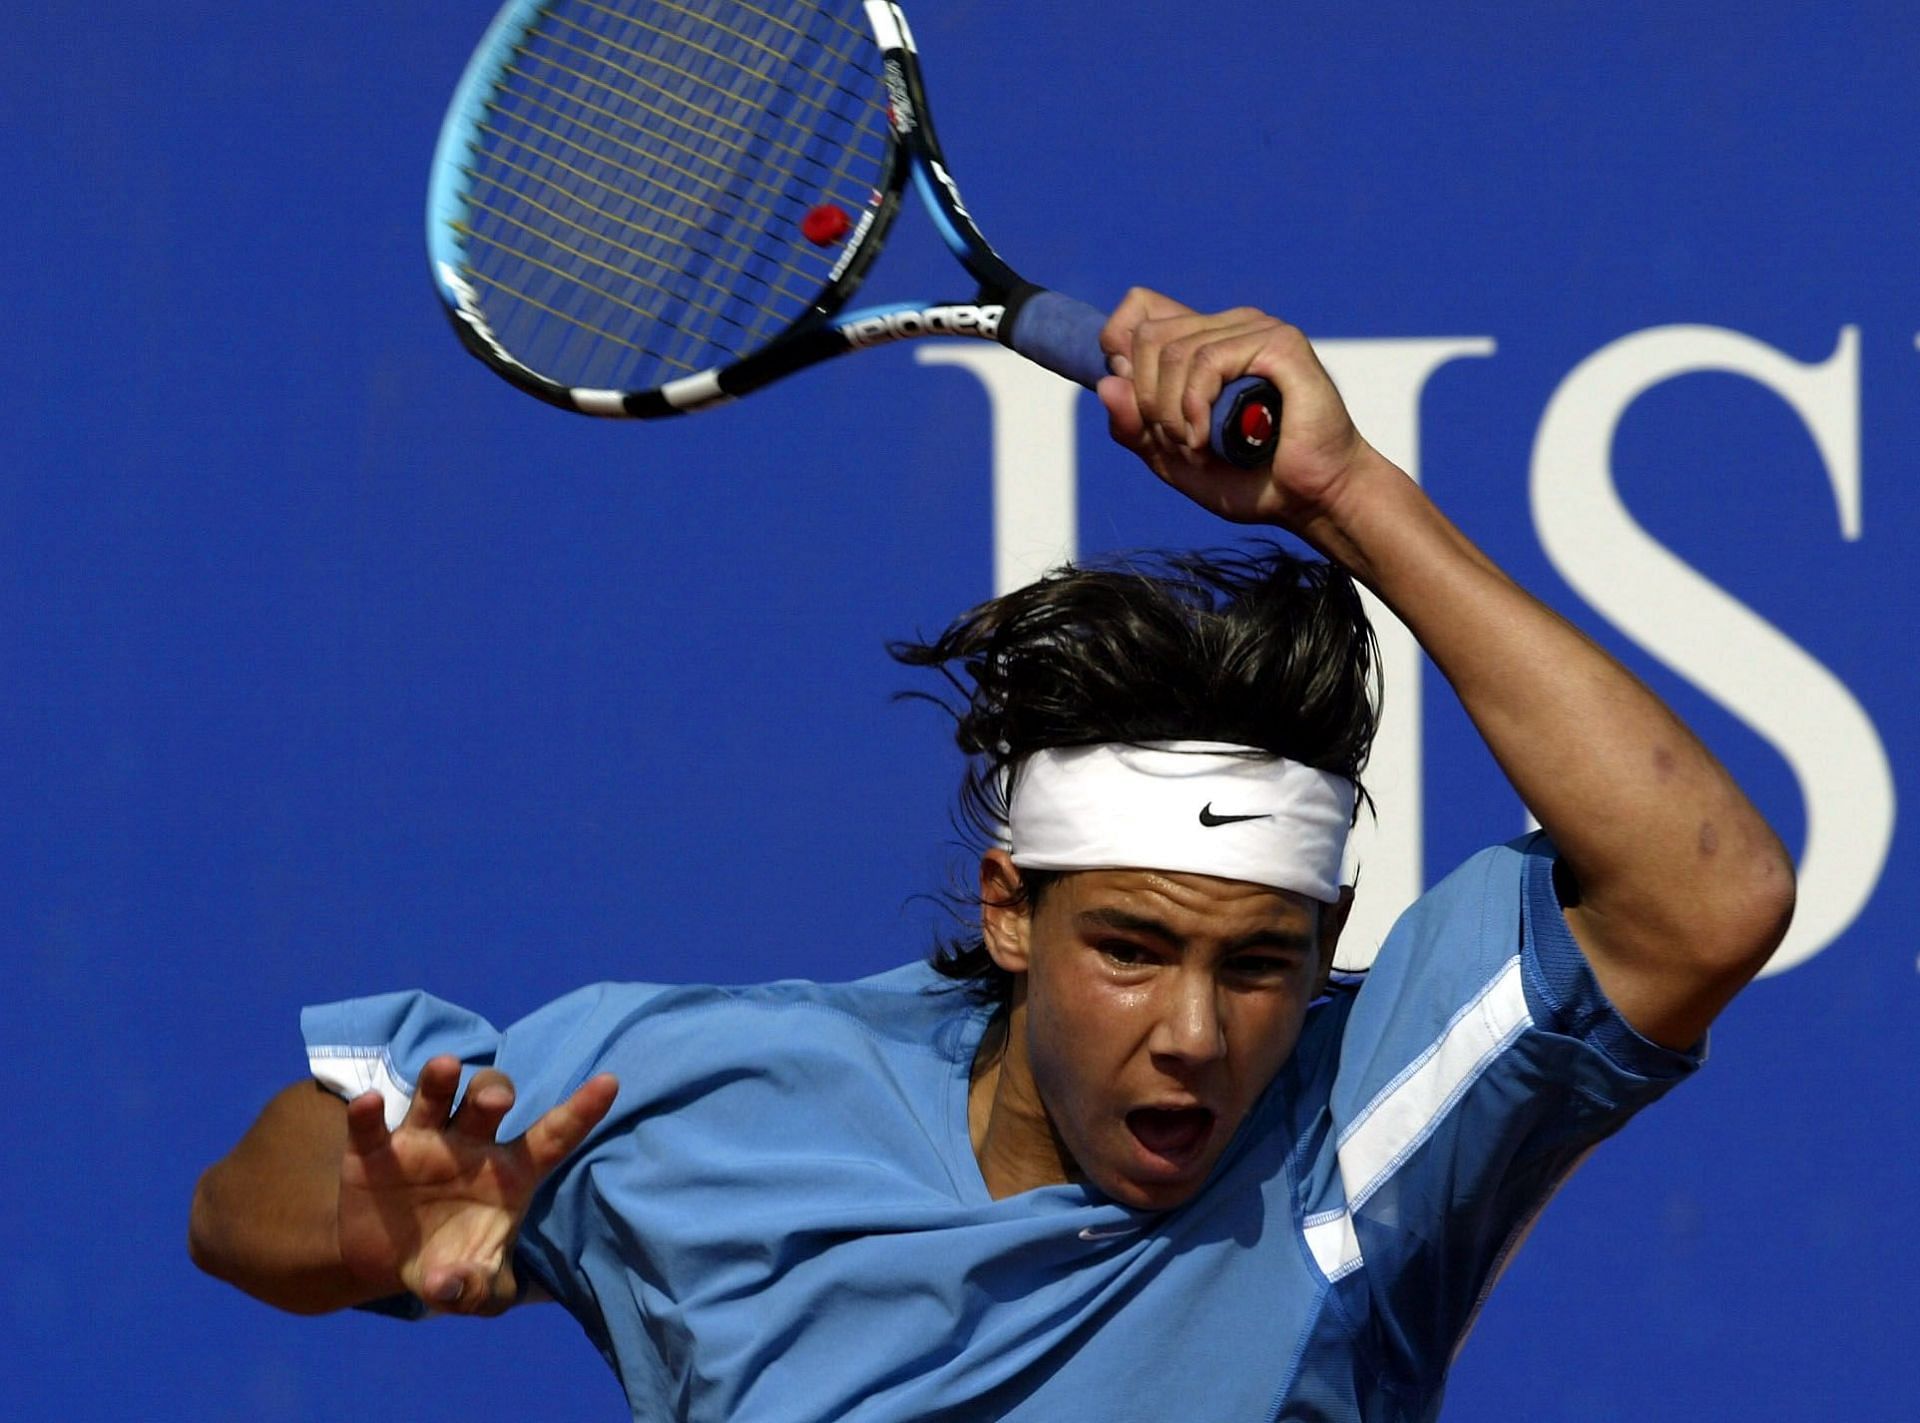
{"x": 1405, "y": 1112}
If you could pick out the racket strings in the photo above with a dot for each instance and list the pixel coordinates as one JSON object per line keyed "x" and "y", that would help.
{"x": 572, "y": 195}
{"x": 720, "y": 187}
{"x": 572, "y": 319}
{"x": 584, "y": 259}
{"x": 562, "y": 142}
{"x": 718, "y": 28}
{"x": 708, "y": 114}
{"x": 576, "y": 174}
{"x": 635, "y": 188}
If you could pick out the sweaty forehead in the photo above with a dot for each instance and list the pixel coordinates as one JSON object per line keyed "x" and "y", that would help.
{"x": 1189, "y": 905}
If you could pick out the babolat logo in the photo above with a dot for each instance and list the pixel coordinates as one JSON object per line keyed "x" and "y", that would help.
{"x": 468, "y": 302}
{"x": 899, "y": 106}
{"x": 953, "y": 190}
{"x": 981, "y": 321}
{"x": 853, "y": 243}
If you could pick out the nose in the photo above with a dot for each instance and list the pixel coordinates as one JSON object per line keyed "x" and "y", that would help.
{"x": 1189, "y": 1029}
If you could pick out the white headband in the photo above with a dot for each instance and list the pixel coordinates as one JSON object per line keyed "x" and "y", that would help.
{"x": 1204, "y": 807}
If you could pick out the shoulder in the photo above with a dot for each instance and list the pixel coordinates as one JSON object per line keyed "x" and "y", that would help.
{"x": 907, "y": 1012}
{"x": 1486, "y": 955}
{"x": 1457, "y": 941}
{"x": 653, "y": 1036}
{"x": 1481, "y": 896}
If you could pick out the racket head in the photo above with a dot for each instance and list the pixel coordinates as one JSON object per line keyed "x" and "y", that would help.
{"x": 618, "y": 213}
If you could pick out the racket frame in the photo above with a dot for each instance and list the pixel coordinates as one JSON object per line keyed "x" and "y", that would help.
{"x": 1056, "y": 331}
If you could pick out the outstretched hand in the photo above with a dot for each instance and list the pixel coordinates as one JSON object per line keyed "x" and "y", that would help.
{"x": 1170, "y": 362}
{"x": 432, "y": 1207}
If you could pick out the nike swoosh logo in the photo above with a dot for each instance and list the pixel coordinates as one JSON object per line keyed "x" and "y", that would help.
{"x": 1109, "y": 1233}
{"x": 1209, "y": 819}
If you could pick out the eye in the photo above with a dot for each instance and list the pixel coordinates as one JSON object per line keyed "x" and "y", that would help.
{"x": 1262, "y": 965}
{"x": 1124, "y": 951}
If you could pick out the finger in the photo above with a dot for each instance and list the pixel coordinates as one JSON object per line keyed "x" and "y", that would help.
{"x": 489, "y": 1097}
{"x": 1138, "y": 305}
{"x": 1159, "y": 354}
{"x": 1223, "y": 355}
{"x": 1190, "y": 372}
{"x": 456, "y": 1289}
{"x": 562, "y": 1129}
{"x": 367, "y": 1124}
{"x": 433, "y": 1094}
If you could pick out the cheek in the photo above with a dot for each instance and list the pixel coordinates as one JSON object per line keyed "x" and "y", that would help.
{"x": 1262, "y": 1037}
{"x": 1081, "y": 1034}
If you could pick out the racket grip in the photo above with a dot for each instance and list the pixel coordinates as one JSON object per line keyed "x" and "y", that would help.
{"x": 1063, "y": 334}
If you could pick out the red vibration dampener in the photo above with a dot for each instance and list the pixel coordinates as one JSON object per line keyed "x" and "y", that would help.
{"x": 824, "y": 224}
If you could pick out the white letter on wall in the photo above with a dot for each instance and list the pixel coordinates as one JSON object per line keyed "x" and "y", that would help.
{"x": 1381, "y": 381}
{"x": 1035, "y": 515}
{"x": 1702, "y": 634}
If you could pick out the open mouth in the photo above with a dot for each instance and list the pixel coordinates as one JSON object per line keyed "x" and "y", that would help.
{"x": 1176, "y": 1135}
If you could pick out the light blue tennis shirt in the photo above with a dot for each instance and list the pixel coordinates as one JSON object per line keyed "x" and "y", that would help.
{"x": 783, "y": 1220}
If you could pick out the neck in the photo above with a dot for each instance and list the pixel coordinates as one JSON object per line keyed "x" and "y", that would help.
{"x": 1013, "y": 1137}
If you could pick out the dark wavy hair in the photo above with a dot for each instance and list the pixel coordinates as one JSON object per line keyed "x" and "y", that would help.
{"x": 1259, "y": 647}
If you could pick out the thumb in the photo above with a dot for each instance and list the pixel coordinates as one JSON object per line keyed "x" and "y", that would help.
{"x": 457, "y": 1289}
{"x": 1124, "y": 421}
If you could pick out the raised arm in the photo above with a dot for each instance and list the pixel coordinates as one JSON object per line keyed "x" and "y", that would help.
{"x": 1675, "y": 887}
{"x": 320, "y": 1206}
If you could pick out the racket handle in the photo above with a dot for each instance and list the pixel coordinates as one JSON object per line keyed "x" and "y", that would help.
{"x": 1063, "y": 334}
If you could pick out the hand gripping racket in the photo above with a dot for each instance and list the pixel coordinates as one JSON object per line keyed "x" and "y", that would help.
{"x": 645, "y": 207}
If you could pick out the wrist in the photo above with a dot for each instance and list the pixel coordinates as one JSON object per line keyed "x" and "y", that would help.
{"x": 1370, "y": 492}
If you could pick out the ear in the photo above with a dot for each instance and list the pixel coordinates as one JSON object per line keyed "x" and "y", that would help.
{"x": 1333, "y": 918}
{"x": 1006, "y": 919}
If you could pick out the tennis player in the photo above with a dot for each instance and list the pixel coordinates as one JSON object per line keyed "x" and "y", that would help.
{"x": 1132, "y": 1153}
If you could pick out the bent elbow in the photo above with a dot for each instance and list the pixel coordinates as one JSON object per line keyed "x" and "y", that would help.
{"x": 1776, "y": 899}
{"x": 1756, "y": 907}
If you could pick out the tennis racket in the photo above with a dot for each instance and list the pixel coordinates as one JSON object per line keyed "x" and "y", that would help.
{"x": 647, "y": 207}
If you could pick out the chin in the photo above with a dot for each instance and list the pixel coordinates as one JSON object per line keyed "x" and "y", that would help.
{"x": 1160, "y": 1196}
{"x": 1150, "y": 1194}
{"x": 1163, "y": 1198}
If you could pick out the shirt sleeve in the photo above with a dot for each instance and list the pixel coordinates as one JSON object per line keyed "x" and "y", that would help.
{"x": 379, "y": 1044}
{"x": 1480, "y": 1063}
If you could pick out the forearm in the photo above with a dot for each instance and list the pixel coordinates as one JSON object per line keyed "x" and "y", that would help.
{"x": 1682, "y": 888}
{"x": 1678, "y": 890}
{"x": 265, "y": 1217}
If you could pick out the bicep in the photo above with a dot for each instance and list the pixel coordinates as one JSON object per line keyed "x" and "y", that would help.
{"x": 1664, "y": 979}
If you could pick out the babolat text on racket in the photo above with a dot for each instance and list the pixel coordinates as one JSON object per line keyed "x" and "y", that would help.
{"x": 644, "y": 207}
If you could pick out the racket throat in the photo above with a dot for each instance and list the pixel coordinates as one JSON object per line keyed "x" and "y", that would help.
{"x": 983, "y": 321}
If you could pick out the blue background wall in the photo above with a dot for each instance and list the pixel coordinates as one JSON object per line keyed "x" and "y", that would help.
{"x": 332, "y": 665}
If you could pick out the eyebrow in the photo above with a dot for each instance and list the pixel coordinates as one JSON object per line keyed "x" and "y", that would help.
{"x": 1293, "y": 940}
